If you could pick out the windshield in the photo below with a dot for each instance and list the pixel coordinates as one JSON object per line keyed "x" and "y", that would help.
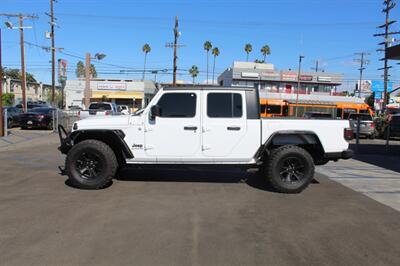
{"x": 363, "y": 117}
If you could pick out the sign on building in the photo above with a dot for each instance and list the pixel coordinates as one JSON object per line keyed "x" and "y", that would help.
{"x": 289, "y": 76}
{"x": 111, "y": 86}
{"x": 378, "y": 86}
{"x": 62, "y": 70}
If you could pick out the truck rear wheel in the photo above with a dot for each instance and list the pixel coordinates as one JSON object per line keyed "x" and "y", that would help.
{"x": 91, "y": 164}
{"x": 290, "y": 169}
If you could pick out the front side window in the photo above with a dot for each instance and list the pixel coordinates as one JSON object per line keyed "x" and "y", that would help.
{"x": 177, "y": 105}
{"x": 224, "y": 105}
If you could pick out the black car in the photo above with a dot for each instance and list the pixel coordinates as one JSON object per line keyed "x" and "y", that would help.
{"x": 394, "y": 124}
{"x": 13, "y": 114}
{"x": 40, "y": 117}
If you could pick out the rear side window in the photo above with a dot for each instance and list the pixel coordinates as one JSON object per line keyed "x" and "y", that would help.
{"x": 273, "y": 109}
{"x": 224, "y": 105}
{"x": 178, "y": 105}
{"x": 99, "y": 106}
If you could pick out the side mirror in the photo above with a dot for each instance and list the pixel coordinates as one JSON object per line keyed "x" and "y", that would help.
{"x": 155, "y": 111}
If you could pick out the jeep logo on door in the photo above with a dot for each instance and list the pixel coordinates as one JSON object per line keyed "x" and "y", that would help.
{"x": 137, "y": 146}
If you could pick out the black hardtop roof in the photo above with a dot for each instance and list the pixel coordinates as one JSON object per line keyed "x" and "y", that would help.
{"x": 207, "y": 88}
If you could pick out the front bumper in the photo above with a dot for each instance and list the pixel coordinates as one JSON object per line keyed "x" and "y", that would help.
{"x": 334, "y": 156}
{"x": 65, "y": 140}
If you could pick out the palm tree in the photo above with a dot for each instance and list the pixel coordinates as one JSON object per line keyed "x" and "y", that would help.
{"x": 215, "y": 53}
{"x": 146, "y": 49}
{"x": 194, "y": 71}
{"x": 248, "y": 48}
{"x": 207, "y": 46}
{"x": 265, "y": 50}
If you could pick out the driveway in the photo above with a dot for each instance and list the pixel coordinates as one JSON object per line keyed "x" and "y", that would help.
{"x": 184, "y": 217}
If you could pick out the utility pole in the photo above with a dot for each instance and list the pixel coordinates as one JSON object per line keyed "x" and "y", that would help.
{"x": 175, "y": 45}
{"x": 298, "y": 83}
{"x": 317, "y": 66}
{"x": 1, "y": 94}
{"x": 21, "y": 30}
{"x": 363, "y": 62}
{"x": 23, "y": 73}
{"x": 388, "y": 5}
{"x": 87, "y": 80}
{"x": 53, "y": 54}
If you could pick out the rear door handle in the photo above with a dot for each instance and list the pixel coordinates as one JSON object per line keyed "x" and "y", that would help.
{"x": 233, "y": 128}
{"x": 190, "y": 128}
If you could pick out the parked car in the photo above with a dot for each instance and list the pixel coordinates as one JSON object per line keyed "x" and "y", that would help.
{"x": 99, "y": 109}
{"x": 124, "y": 109}
{"x": 39, "y": 117}
{"x": 394, "y": 124}
{"x": 317, "y": 115}
{"x": 13, "y": 114}
{"x": 367, "y": 125}
{"x": 210, "y": 126}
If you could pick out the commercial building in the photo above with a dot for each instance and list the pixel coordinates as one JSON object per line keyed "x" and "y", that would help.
{"x": 267, "y": 79}
{"x": 133, "y": 93}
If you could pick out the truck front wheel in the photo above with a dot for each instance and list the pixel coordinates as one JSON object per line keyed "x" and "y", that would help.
{"x": 289, "y": 169}
{"x": 90, "y": 164}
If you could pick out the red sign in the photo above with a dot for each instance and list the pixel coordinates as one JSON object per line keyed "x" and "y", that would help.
{"x": 289, "y": 76}
{"x": 306, "y": 78}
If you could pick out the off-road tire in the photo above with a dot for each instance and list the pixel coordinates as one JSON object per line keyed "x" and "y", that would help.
{"x": 106, "y": 158}
{"x": 273, "y": 167}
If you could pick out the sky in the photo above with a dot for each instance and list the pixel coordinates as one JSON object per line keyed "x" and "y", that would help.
{"x": 329, "y": 31}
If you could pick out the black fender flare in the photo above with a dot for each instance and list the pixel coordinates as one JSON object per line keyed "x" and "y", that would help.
{"x": 108, "y": 136}
{"x": 290, "y": 137}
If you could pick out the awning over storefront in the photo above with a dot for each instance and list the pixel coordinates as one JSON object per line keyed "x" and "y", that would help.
{"x": 118, "y": 94}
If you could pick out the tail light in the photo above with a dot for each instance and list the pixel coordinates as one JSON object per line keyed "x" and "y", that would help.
{"x": 107, "y": 113}
{"x": 41, "y": 116}
{"x": 79, "y": 114}
{"x": 348, "y": 134}
{"x": 373, "y": 125}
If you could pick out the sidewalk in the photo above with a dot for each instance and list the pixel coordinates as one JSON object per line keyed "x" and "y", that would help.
{"x": 17, "y": 139}
{"x": 380, "y": 184}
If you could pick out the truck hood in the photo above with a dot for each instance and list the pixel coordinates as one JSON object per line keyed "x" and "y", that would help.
{"x": 104, "y": 122}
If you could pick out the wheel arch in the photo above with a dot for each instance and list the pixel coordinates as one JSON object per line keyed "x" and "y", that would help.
{"x": 307, "y": 140}
{"x": 113, "y": 138}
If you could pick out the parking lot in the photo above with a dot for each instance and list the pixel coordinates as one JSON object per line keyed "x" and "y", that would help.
{"x": 183, "y": 217}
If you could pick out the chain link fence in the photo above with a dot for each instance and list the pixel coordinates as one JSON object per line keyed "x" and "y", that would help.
{"x": 66, "y": 118}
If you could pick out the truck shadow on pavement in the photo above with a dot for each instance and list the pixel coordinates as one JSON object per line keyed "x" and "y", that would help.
{"x": 190, "y": 175}
{"x": 193, "y": 175}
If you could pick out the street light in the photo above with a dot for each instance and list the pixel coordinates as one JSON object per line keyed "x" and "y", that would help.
{"x": 298, "y": 83}
{"x": 155, "y": 72}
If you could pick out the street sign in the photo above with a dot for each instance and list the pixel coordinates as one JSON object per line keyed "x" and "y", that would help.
{"x": 378, "y": 86}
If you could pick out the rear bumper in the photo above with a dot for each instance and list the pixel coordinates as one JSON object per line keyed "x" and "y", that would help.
{"x": 334, "y": 156}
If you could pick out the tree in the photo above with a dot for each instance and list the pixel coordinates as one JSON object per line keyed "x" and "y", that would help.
{"x": 8, "y": 99}
{"x": 194, "y": 71}
{"x": 248, "y": 48}
{"x": 14, "y": 73}
{"x": 93, "y": 72}
{"x": 265, "y": 50}
{"x": 370, "y": 100}
{"x": 215, "y": 53}
{"x": 81, "y": 73}
{"x": 207, "y": 46}
{"x": 146, "y": 49}
{"x": 80, "y": 70}
{"x": 104, "y": 98}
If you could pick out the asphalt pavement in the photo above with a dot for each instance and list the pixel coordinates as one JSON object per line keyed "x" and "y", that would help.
{"x": 184, "y": 217}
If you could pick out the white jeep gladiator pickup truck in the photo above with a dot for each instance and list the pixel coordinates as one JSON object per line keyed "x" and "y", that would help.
{"x": 203, "y": 126}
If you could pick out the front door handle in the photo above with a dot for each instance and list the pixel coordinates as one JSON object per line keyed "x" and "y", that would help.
{"x": 233, "y": 128}
{"x": 190, "y": 128}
